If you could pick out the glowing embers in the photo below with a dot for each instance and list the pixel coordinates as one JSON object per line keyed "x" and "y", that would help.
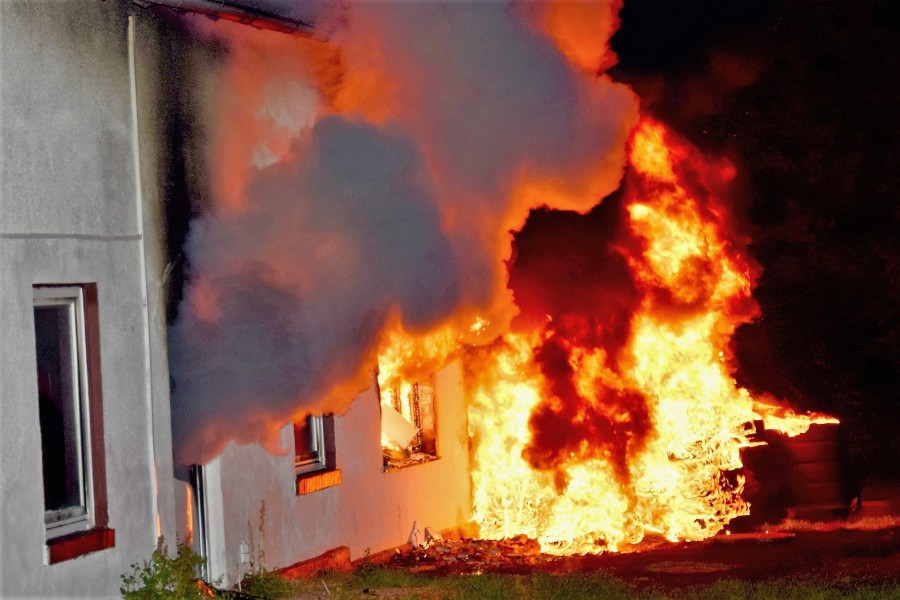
{"x": 408, "y": 424}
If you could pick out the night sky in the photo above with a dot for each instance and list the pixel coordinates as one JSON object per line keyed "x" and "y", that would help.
{"x": 803, "y": 98}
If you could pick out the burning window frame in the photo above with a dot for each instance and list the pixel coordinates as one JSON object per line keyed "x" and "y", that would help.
{"x": 418, "y": 414}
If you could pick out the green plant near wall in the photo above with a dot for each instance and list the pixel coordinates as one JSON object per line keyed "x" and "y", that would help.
{"x": 166, "y": 577}
{"x": 267, "y": 584}
{"x": 260, "y": 582}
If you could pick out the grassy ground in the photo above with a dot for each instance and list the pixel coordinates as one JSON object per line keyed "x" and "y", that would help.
{"x": 369, "y": 582}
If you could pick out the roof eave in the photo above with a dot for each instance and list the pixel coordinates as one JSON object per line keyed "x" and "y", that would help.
{"x": 221, "y": 9}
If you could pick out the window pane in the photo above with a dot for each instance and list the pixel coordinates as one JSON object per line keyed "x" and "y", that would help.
{"x": 58, "y": 385}
{"x": 306, "y": 441}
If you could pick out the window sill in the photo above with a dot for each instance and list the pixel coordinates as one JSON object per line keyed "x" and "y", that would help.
{"x": 80, "y": 543}
{"x": 307, "y": 483}
{"x": 411, "y": 461}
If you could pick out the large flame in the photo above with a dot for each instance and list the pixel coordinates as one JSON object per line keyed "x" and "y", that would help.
{"x": 362, "y": 195}
{"x": 588, "y": 446}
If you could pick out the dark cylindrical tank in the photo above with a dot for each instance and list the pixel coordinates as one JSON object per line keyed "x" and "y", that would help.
{"x": 822, "y": 485}
{"x": 805, "y": 477}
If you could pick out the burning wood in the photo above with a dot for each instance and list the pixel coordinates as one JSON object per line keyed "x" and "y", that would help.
{"x": 471, "y": 555}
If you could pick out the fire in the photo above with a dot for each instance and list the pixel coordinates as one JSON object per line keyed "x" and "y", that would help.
{"x": 782, "y": 419}
{"x": 364, "y": 189}
{"x": 405, "y": 358}
{"x": 589, "y": 447}
{"x": 406, "y": 364}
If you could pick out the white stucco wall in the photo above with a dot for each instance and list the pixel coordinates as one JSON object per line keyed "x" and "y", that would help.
{"x": 370, "y": 510}
{"x": 82, "y": 190}
{"x": 70, "y": 213}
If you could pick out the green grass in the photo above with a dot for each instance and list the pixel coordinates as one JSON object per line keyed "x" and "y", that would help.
{"x": 577, "y": 586}
{"x": 790, "y": 590}
{"x": 489, "y": 587}
{"x": 372, "y": 577}
{"x": 269, "y": 585}
{"x": 401, "y": 585}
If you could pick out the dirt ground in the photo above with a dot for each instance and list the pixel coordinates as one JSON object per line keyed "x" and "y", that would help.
{"x": 864, "y": 548}
{"x": 846, "y": 554}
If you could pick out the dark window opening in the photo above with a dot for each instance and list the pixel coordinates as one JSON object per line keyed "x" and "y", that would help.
{"x": 314, "y": 454}
{"x": 66, "y": 328}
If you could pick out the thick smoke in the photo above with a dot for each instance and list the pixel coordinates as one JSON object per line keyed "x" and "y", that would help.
{"x": 574, "y": 269}
{"x": 386, "y": 190}
{"x": 305, "y": 279}
{"x": 568, "y": 427}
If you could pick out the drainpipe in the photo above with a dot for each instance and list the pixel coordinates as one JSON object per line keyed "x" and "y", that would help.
{"x": 145, "y": 298}
{"x": 231, "y": 11}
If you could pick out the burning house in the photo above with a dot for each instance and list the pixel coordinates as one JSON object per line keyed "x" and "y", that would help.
{"x": 107, "y": 114}
{"x": 285, "y": 292}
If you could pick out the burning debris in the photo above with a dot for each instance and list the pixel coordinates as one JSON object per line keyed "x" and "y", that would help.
{"x": 521, "y": 554}
{"x": 470, "y": 555}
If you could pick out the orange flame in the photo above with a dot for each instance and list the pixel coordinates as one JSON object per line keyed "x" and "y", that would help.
{"x": 608, "y": 447}
{"x": 581, "y": 444}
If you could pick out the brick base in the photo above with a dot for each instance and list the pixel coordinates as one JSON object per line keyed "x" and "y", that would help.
{"x": 333, "y": 560}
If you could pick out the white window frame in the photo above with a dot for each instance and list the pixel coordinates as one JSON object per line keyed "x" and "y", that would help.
{"x": 316, "y": 429}
{"x": 77, "y": 518}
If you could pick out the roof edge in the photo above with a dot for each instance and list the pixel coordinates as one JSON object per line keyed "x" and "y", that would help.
{"x": 245, "y": 15}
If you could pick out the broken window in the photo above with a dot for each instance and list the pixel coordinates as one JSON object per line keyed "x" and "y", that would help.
{"x": 69, "y": 409}
{"x": 408, "y": 424}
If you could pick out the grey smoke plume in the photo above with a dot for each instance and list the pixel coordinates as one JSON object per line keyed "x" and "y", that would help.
{"x": 363, "y": 218}
{"x": 306, "y": 280}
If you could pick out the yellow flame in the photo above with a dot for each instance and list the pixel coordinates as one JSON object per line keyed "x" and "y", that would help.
{"x": 682, "y": 476}
{"x": 682, "y": 482}
{"x": 479, "y": 326}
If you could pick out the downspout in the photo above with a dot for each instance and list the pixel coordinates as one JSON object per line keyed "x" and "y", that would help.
{"x": 139, "y": 200}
